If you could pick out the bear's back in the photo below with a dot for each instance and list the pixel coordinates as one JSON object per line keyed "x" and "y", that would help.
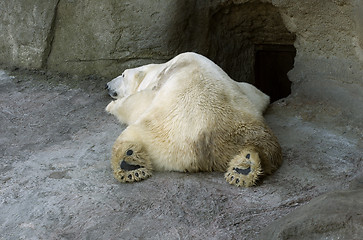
{"x": 197, "y": 106}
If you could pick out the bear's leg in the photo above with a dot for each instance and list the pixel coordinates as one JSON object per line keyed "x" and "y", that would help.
{"x": 130, "y": 161}
{"x": 244, "y": 169}
{"x": 129, "y": 109}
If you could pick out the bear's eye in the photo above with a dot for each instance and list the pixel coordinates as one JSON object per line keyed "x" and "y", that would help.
{"x": 129, "y": 152}
{"x": 123, "y": 75}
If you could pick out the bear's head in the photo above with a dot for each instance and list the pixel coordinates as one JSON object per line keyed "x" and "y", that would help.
{"x": 136, "y": 79}
{"x": 125, "y": 84}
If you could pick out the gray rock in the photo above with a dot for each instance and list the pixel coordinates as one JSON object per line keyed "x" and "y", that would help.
{"x": 336, "y": 215}
{"x": 106, "y": 37}
{"x": 26, "y": 32}
{"x": 103, "y": 38}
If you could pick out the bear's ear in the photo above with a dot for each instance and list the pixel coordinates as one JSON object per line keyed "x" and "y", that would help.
{"x": 140, "y": 76}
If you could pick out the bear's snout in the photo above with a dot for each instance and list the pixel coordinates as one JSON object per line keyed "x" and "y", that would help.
{"x": 110, "y": 91}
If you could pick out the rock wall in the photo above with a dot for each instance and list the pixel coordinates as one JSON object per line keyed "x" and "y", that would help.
{"x": 105, "y": 37}
{"x": 328, "y": 66}
{"x": 236, "y": 29}
{"x": 92, "y": 37}
{"x": 26, "y": 32}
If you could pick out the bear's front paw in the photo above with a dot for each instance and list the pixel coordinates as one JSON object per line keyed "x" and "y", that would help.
{"x": 130, "y": 162}
{"x": 109, "y": 108}
{"x": 135, "y": 173}
{"x": 244, "y": 169}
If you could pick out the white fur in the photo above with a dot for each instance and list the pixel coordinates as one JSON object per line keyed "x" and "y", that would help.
{"x": 150, "y": 77}
{"x": 135, "y": 80}
{"x": 170, "y": 106}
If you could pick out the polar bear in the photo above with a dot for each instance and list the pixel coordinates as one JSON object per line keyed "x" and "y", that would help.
{"x": 188, "y": 115}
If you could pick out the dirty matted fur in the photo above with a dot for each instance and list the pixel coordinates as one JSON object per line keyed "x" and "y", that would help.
{"x": 193, "y": 117}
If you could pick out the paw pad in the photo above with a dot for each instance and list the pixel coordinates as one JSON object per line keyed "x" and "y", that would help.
{"x": 243, "y": 171}
{"x": 128, "y": 167}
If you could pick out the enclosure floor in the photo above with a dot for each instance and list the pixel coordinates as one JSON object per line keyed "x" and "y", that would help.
{"x": 56, "y": 181}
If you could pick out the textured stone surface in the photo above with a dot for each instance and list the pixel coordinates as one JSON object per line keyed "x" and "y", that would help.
{"x": 103, "y": 38}
{"x": 337, "y": 215}
{"x": 318, "y": 33}
{"x": 56, "y": 181}
{"x": 114, "y": 35}
{"x": 26, "y": 31}
{"x": 235, "y": 30}
{"x": 337, "y": 82}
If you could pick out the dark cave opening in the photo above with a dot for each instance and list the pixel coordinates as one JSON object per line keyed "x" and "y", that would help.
{"x": 272, "y": 63}
{"x": 252, "y": 44}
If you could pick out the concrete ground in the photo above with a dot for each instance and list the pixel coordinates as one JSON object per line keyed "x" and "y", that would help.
{"x": 56, "y": 181}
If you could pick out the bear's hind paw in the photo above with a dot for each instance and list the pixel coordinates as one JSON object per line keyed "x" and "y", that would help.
{"x": 135, "y": 175}
{"x": 244, "y": 170}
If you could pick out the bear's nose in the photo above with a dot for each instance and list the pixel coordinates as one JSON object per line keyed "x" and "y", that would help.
{"x": 112, "y": 94}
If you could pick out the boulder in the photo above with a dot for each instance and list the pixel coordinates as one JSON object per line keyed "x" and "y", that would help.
{"x": 335, "y": 215}
{"x": 26, "y": 32}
